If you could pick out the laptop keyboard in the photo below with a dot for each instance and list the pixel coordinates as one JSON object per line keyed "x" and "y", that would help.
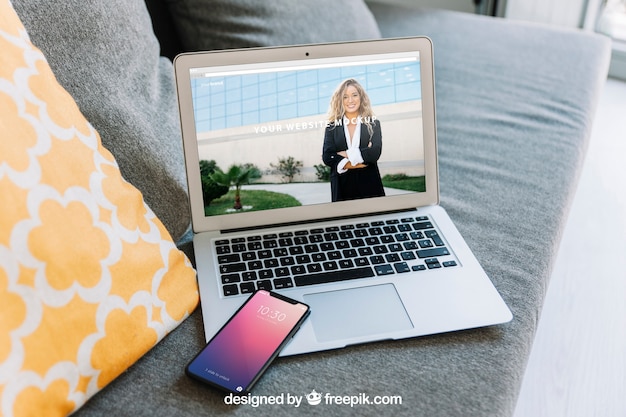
{"x": 330, "y": 254}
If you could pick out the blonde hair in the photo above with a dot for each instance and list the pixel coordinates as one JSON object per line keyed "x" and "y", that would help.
{"x": 336, "y": 110}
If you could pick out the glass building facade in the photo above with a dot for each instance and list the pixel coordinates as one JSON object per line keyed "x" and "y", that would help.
{"x": 240, "y": 100}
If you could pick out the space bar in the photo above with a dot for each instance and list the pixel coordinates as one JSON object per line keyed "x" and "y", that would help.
{"x": 334, "y": 276}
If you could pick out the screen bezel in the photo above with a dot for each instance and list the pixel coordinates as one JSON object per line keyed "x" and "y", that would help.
{"x": 302, "y": 53}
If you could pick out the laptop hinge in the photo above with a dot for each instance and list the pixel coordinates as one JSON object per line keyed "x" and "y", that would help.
{"x": 312, "y": 222}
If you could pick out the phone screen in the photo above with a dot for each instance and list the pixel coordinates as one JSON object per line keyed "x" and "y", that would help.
{"x": 239, "y": 353}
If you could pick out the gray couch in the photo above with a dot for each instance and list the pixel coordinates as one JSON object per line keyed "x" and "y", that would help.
{"x": 515, "y": 103}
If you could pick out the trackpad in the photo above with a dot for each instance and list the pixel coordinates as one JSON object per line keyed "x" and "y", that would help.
{"x": 357, "y": 312}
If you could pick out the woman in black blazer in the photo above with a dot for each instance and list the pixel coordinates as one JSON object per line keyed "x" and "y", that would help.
{"x": 352, "y": 144}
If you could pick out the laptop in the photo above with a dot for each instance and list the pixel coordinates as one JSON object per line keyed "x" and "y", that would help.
{"x": 312, "y": 172}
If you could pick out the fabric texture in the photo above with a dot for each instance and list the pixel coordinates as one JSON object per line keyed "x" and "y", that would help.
{"x": 107, "y": 57}
{"x": 224, "y": 24}
{"x": 515, "y": 103}
{"x": 90, "y": 279}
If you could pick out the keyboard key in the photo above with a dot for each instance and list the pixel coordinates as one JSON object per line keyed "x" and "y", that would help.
{"x": 395, "y": 247}
{"x": 432, "y": 263}
{"x": 288, "y": 261}
{"x": 265, "y": 285}
{"x": 279, "y": 252}
{"x": 296, "y": 250}
{"x": 249, "y": 276}
{"x": 285, "y": 242}
{"x": 326, "y": 246}
{"x": 392, "y": 257}
{"x": 266, "y": 274}
{"x": 367, "y": 251}
{"x": 416, "y": 235}
{"x": 346, "y": 235}
{"x": 401, "y": 267}
{"x": 357, "y": 243}
{"x": 385, "y": 269}
{"x": 303, "y": 259}
{"x": 342, "y": 244}
{"x": 239, "y": 247}
{"x": 334, "y": 276}
{"x": 231, "y": 289}
{"x": 387, "y": 239}
{"x": 429, "y": 253}
{"x": 228, "y": 259}
{"x": 220, "y": 250}
{"x": 346, "y": 264}
{"x": 280, "y": 283}
{"x": 449, "y": 264}
{"x": 334, "y": 255}
{"x": 422, "y": 225}
{"x": 435, "y": 237}
{"x": 377, "y": 259}
{"x": 248, "y": 256}
{"x": 375, "y": 231}
{"x": 330, "y": 266}
{"x": 361, "y": 262}
{"x": 318, "y": 257}
{"x": 298, "y": 269}
{"x": 402, "y": 237}
{"x": 390, "y": 229}
{"x": 316, "y": 238}
{"x": 281, "y": 272}
{"x": 300, "y": 240}
{"x": 230, "y": 278}
{"x": 380, "y": 249}
{"x": 270, "y": 244}
{"x": 426, "y": 243}
{"x": 254, "y": 246}
{"x": 252, "y": 265}
{"x": 407, "y": 256}
{"x": 270, "y": 263}
{"x": 247, "y": 287}
{"x": 238, "y": 267}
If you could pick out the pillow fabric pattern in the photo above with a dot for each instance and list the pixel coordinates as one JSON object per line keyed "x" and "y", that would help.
{"x": 105, "y": 54}
{"x": 90, "y": 279}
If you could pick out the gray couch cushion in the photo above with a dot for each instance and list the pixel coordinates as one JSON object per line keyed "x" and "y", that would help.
{"x": 222, "y": 24}
{"x": 515, "y": 105}
{"x": 106, "y": 56}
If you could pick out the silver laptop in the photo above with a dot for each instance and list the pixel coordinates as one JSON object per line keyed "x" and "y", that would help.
{"x": 312, "y": 172}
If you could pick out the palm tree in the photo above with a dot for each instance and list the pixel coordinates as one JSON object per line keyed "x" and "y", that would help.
{"x": 237, "y": 176}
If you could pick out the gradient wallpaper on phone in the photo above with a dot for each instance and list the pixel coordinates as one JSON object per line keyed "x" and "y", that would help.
{"x": 238, "y": 352}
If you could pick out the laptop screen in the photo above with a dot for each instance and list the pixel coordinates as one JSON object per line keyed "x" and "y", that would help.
{"x": 286, "y": 134}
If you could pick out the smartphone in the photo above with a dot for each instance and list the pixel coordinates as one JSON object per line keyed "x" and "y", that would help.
{"x": 236, "y": 357}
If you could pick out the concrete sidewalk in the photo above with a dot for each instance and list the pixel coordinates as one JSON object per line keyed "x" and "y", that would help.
{"x": 307, "y": 193}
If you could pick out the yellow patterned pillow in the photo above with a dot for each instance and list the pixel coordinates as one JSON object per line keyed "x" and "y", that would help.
{"x": 90, "y": 280}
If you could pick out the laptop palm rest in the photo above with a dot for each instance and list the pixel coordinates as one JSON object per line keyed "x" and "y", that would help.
{"x": 357, "y": 312}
